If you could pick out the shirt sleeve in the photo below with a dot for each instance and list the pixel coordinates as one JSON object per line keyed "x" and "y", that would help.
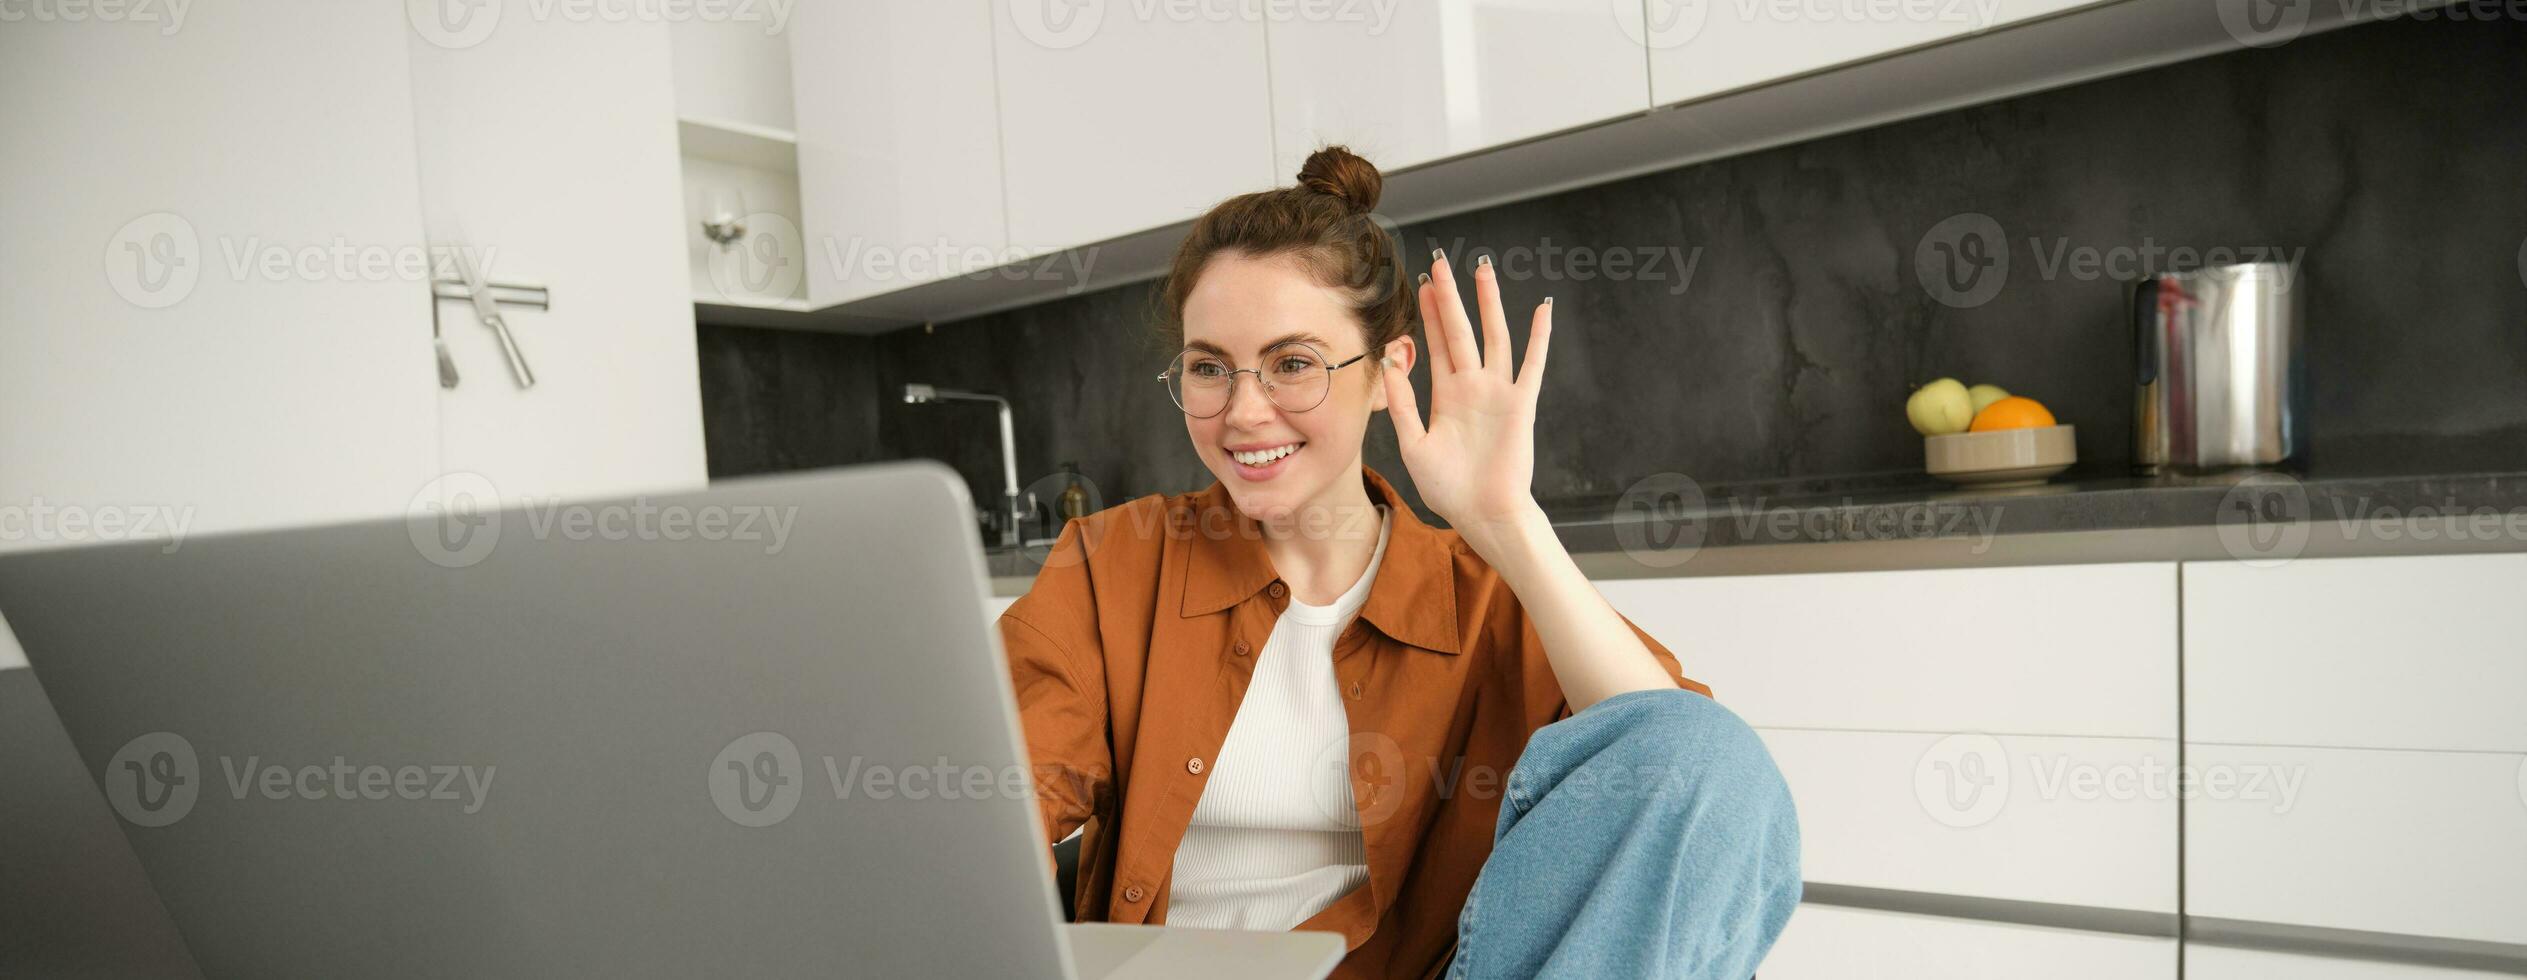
{"x": 1050, "y": 636}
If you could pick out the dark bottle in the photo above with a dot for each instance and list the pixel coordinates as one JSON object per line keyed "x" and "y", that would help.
{"x": 1074, "y": 499}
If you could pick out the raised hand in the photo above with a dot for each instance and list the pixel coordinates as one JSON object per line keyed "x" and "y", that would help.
{"x": 1474, "y": 462}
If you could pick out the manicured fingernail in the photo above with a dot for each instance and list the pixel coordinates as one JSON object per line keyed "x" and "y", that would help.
{"x": 1425, "y": 279}
{"x": 1438, "y": 255}
{"x": 1484, "y": 259}
{"x": 1548, "y": 301}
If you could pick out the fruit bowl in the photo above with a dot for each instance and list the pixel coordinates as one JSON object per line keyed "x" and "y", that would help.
{"x": 2000, "y": 457}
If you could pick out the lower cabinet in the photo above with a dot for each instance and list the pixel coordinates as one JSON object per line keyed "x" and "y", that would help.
{"x": 2221, "y": 963}
{"x": 1826, "y": 942}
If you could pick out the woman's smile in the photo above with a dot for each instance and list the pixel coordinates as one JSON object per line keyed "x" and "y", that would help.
{"x": 1259, "y": 462}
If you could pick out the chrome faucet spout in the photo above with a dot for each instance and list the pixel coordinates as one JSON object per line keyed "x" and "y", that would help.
{"x": 922, "y": 394}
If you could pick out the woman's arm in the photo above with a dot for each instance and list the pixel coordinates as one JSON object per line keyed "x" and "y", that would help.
{"x": 1474, "y": 464}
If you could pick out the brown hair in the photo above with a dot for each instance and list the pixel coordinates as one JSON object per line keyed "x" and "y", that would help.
{"x": 1328, "y": 221}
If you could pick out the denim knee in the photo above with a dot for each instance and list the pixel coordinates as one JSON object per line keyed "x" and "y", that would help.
{"x": 1670, "y": 745}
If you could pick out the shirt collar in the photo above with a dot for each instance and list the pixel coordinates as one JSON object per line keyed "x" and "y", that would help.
{"x": 1412, "y": 600}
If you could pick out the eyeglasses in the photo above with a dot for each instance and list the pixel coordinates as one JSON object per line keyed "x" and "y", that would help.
{"x": 1294, "y": 376}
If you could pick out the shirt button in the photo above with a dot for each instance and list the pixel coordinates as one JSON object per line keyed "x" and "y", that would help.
{"x": 1194, "y": 765}
{"x": 1239, "y": 649}
{"x": 1278, "y": 590}
{"x": 1132, "y": 894}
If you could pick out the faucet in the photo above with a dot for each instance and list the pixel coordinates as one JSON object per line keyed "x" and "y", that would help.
{"x": 921, "y": 394}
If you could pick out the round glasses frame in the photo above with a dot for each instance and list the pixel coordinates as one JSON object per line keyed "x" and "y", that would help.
{"x": 1268, "y": 387}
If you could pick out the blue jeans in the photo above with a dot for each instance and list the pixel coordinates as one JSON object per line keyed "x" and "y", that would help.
{"x": 1647, "y": 836}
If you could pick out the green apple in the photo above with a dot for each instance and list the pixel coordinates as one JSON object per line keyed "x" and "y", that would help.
{"x": 1985, "y": 395}
{"x": 1940, "y": 408}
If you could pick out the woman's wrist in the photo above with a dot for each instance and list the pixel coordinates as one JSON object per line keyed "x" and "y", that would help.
{"x": 1512, "y": 540}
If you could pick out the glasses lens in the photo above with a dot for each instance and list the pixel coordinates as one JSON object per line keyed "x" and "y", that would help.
{"x": 1299, "y": 378}
{"x": 1199, "y": 383}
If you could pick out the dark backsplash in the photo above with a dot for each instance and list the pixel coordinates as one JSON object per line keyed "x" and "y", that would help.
{"x": 2389, "y": 158}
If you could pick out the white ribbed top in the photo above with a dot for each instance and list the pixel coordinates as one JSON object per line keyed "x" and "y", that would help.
{"x": 1275, "y": 838}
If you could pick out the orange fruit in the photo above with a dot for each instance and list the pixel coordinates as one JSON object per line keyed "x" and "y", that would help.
{"x": 2013, "y": 412}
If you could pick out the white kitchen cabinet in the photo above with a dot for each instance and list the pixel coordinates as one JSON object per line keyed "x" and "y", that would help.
{"x": 551, "y": 146}
{"x": 1121, "y": 117}
{"x": 2204, "y": 962}
{"x": 220, "y": 307}
{"x": 2068, "y": 821}
{"x": 899, "y": 143}
{"x": 1824, "y": 942}
{"x": 1449, "y": 78}
{"x": 2418, "y": 843}
{"x": 2083, "y": 650}
{"x": 2424, "y": 652}
{"x": 1699, "y": 48}
{"x": 215, "y": 311}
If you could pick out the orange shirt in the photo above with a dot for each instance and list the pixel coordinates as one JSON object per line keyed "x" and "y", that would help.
{"x": 1134, "y": 647}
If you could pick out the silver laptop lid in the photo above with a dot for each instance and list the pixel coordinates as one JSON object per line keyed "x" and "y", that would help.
{"x": 762, "y": 729}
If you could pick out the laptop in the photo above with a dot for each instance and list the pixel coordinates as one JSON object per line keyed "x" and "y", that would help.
{"x": 763, "y": 729}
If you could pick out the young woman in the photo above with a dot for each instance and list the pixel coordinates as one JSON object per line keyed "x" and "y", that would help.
{"x": 1284, "y": 702}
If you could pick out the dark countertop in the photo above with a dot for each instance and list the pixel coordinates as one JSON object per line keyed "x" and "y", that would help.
{"x": 1908, "y": 520}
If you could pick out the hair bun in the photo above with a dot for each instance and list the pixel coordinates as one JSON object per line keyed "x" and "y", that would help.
{"x": 1337, "y": 171}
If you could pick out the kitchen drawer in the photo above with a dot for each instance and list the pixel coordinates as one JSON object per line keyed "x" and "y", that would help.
{"x": 2086, "y": 650}
{"x": 2072, "y": 823}
{"x": 2402, "y": 653}
{"x": 2420, "y": 843}
{"x": 2221, "y": 963}
{"x": 1824, "y": 942}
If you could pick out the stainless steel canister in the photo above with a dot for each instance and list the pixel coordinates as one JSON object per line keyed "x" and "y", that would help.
{"x": 2222, "y": 368}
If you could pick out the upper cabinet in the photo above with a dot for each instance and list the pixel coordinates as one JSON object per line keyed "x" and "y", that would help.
{"x": 1404, "y": 84}
{"x": 1700, "y": 48}
{"x": 1120, "y": 117}
{"x": 899, "y": 154}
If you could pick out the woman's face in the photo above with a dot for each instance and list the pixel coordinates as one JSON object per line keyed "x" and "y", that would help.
{"x": 1243, "y": 308}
